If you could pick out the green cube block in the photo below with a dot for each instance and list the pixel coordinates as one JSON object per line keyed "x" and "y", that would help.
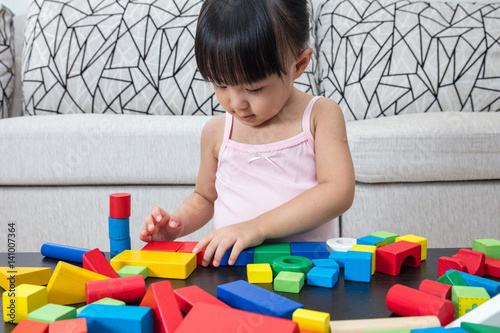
{"x": 490, "y": 247}
{"x": 129, "y": 270}
{"x": 452, "y": 278}
{"x": 266, "y": 253}
{"x": 466, "y": 299}
{"x": 389, "y": 236}
{"x": 479, "y": 328}
{"x": 290, "y": 282}
{"x": 53, "y": 312}
{"x": 105, "y": 300}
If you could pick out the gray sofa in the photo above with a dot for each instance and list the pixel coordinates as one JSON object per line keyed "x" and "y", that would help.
{"x": 107, "y": 99}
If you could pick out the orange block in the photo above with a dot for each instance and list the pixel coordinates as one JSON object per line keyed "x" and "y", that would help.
{"x": 78, "y": 325}
{"x": 31, "y": 326}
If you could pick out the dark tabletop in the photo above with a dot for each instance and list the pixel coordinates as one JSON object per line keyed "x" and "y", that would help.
{"x": 347, "y": 300}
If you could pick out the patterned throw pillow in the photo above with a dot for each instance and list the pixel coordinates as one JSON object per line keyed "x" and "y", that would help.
{"x": 108, "y": 56}
{"x": 6, "y": 61}
{"x": 385, "y": 57}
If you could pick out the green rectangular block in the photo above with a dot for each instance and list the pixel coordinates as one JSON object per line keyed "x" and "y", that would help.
{"x": 290, "y": 282}
{"x": 479, "y": 328}
{"x": 105, "y": 300}
{"x": 266, "y": 253}
{"x": 490, "y": 247}
{"x": 389, "y": 236}
{"x": 129, "y": 270}
{"x": 452, "y": 278}
{"x": 53, "y": 312}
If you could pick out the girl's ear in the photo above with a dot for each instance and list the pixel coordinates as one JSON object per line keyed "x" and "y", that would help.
{"x": 301, "y": 62}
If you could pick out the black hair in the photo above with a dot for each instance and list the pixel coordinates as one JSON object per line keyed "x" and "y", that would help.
{"x": 245, "y": 41}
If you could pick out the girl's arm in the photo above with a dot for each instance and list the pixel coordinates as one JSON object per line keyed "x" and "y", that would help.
{"x": 330, "y": 198}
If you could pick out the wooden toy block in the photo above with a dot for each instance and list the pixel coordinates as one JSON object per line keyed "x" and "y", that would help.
{"x": 406, "y": 301}
{"x": 119, "y": 205}
{"x": 391, "y": 257}
{"x": 187, "y": 297}
{"x": 105, "y": 300}
{"x": 187, "y": 247}
{"x": 53, "y": 312}
{"x": 249, "y": 297}
{"x": 312, "y": 320}
{"x": 492, "y": 267}
{"x": 290, "y": 282}
{"x": 370, "y": 249}
{"x": 129, "y": 289}
{"x": 372, "y": 240}
{"x": 358, "y": 266}
{"x": 12, "y": 277}
{"x": 118, "y": 319}
{"x": 474, "y": 260}
{"x": 63, "y": 252}
{"x": 161, "y": 299}
{"x": 416, "y": 239}
{"x": 478, "y": 328}
{"x": 291, "y": 264}
{"x": 490, "y": 247}
{"x": 456, "y": 330}
{"x": 163, "y": 246}
{"x": 18, "y": 302}
{"x": 259, "y": 273}
{"x": 266, "y": 253}
{"x": 435, "y": 288}
{"x": 119, "y": 228}
{"x": 129, "y": 270}
{"x": 492, "y": 287}
{"x": 438, "y": 329}
{"x": 96, "y": 262}
{"x": 167, "y": 265}
{"x": 117, "y": 246}
{"x": 31, "y": 326}
{"x": 311, "y": 250}
{"x": 209, "y": 318}
{"x": 244, "y": 258}
{"x": 446, "y": 263}
{"x": 452, "y": 278}
{"x": 77, "y": 325}
{"x": 486, "y": 314}
{"x": 322, "y": 277}
{"x": 388, "y": 236}
{"x": 339, "y": 257}
{"x": 383, "y": 324}
{"x": 340, "y": 244}
{"x": 467, "y": 298}
{"x": 326, "y": 263}
{"x": 67, "y": 284}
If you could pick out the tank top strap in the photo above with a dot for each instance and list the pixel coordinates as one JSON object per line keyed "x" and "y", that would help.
{"x": 306, "y": 121}
{"x": 228, "y": 127}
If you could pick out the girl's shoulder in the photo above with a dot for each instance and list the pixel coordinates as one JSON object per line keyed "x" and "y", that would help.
{"x": 213, "y": 133}
{"x": 327, "y": 113}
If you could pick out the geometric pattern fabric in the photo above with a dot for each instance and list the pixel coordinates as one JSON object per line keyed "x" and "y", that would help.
{"x": 6, "y": 61}
{"x": 382, "y": 58}
{"x": 109, "y": 56}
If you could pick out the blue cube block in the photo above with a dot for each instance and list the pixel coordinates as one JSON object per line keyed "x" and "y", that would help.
{"x": 322, "y": 277}
{"x": 311, "y": 250}
{"x": 358, "y": 266}
{"x": 372, "y": 240}
{"x": 117, "y": 319}
{"x": 339, "y": 257}
{"x": 119, "y": 228}
{"x": 325, "y": 263}
{"x": 245, "y": 258}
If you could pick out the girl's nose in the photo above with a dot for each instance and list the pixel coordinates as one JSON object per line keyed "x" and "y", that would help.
{"x": 238, "y": 101}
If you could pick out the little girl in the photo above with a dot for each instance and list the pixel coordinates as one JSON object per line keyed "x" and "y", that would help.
{"x": 277, "y": 164}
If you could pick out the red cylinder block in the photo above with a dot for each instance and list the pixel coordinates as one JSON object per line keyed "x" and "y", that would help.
{"x": 435, "y": 288}
{"x": 406, "y": 302}
{"x": 119, "y": 205}
{"x": 129, "y": 289}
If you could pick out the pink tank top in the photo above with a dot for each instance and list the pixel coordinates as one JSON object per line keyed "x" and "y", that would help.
{"x": 253, "y": 179}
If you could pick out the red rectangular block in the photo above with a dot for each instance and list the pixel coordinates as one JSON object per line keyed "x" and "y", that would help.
{"x": 78, "y": 325}
{"x": 209, "y": 318}
{"x": 129, "y": 289}
{"x": 435, "y": 288}
{"x": 492, "y": 267}
{"x": 188, "y": 296}
{"x": 390, "y": 258}
{"x": 96, "y": 262}
{"x": 446, "y": 263}
{"x": 474, "y": 260}
{"x": 187, "y": 247}
{"x": 162, "y": 246}
{"x": 31, "y": 326}
{"x": 166, "y": 313}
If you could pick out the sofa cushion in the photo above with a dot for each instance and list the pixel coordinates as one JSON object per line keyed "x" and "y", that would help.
{"x": 441, "y": 146}
{"x": 108, "y": 56}
{"x": 389, "y": 57}
{"x": 6, "y": 61}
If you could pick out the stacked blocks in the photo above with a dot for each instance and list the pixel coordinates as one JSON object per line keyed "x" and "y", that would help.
{"x": 118, "y": 319}
{"x": 53, "y": 312}
{"x": 416, "y": 239}
{"x": 358, "y": 266}
{"x": 312, "y": 320}
{"x": 18, "y": 302}
{"x": 391, "y": 257}
{"x": 161, "y": 299}
{"x": 118, "y": 223}
{"x": 322, "y": 277}
{"x": 490, "y": 247}
{"x": 259, "y": 273}
{"x": 290, "y": 282}
{"x": 30, "y": 275}
{"x": 467, "y": 298}
{"x": 129, "y": 289}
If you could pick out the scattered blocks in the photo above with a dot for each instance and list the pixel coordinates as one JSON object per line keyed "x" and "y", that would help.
{"x": 18, "y": 302}
{"x": 163, "y": 246}
{"x": 119, "y": 228}
{"x": 129, "y": 289}
{"x": 77, "y": 325}
{"x": 161, "y": 299}
{"x": 388, "y": 236}
{"x": 259, "y": 273}
{"x": 490, "y": 247}
{"x": 370, "y": 249}
{"x": 492, "y": 287}
{"x": 187, "y": 297}
{"x": 358, "y": 266}
{"x": 105, "y": 300}
{"x": 129, "y": 270}
{"x": 244, "y": 258}
{"x": 445, "y": 264}
{"x": 168, "y": 265}
{"x": 266, "y": 253}
{"x": 96, "y": 262}
{"x": 52, "y": 312}
{"x": 435, "y": 288}
{"x": 291, "y": 264}
{"x": 492, "y": 267}
{"x": 67, "y": 284}
{"x": 24, "y": 275}
{"x": 118, "y": 319}
{"x": 118, "y": 223}
{"x": 63, "y": 252}
{"x": 467, "y": 298}
{"x": 311, "y": 250}
{"x": 249, "y": 297}
{"x": 312, "y": 320}
{"x": 474, "y": 260}
{"x": 322, "y": 277}
{"x": 289, "y": 282}
{"x": 453, "y": 278}
{"x": 372, "y": 240}
{"x": 416, "y": 239}
{"x": 391, "y": 257}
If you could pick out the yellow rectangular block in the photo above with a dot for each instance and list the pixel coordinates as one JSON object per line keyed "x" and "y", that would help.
{"x": 416, "y": 239}
{"x": 21, "y": 300}
{"x": 312, "y": 320}
{"x": 67, "y": 284}
{"x": 367, "y": 248}
{"x": 12, "y": 277}
{"x": 166, "y": 265}
{"x": 259, "y": 273}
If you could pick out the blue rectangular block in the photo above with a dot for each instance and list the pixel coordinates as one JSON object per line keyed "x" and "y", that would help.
{"x": 245, "y": 258}
{"x": 492, "y": 287}
{"x": 311, "y": 250}
{"x": 63, "y": 252}
{"x": 371, "y": 240}
{"x": 325, "y": 263}
{"x": 117, "y": 319}
{"x": 323, "y": 277}
{"x": 119, "y": 228}
{"x": 358, "y": 266}
{"x": 339, "y": 257}
{"x": 246, "y": 296}
{"x": 437, "y": 329}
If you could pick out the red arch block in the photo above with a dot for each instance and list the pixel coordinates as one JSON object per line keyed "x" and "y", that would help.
{"x": 391, "y": 257}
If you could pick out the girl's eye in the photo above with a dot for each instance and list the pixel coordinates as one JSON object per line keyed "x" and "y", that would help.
{"x": 254, "y": 91}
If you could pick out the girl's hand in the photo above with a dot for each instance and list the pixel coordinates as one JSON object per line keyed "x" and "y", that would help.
{"x": 239, "y": 236}
{"x": 161, "y": 226}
